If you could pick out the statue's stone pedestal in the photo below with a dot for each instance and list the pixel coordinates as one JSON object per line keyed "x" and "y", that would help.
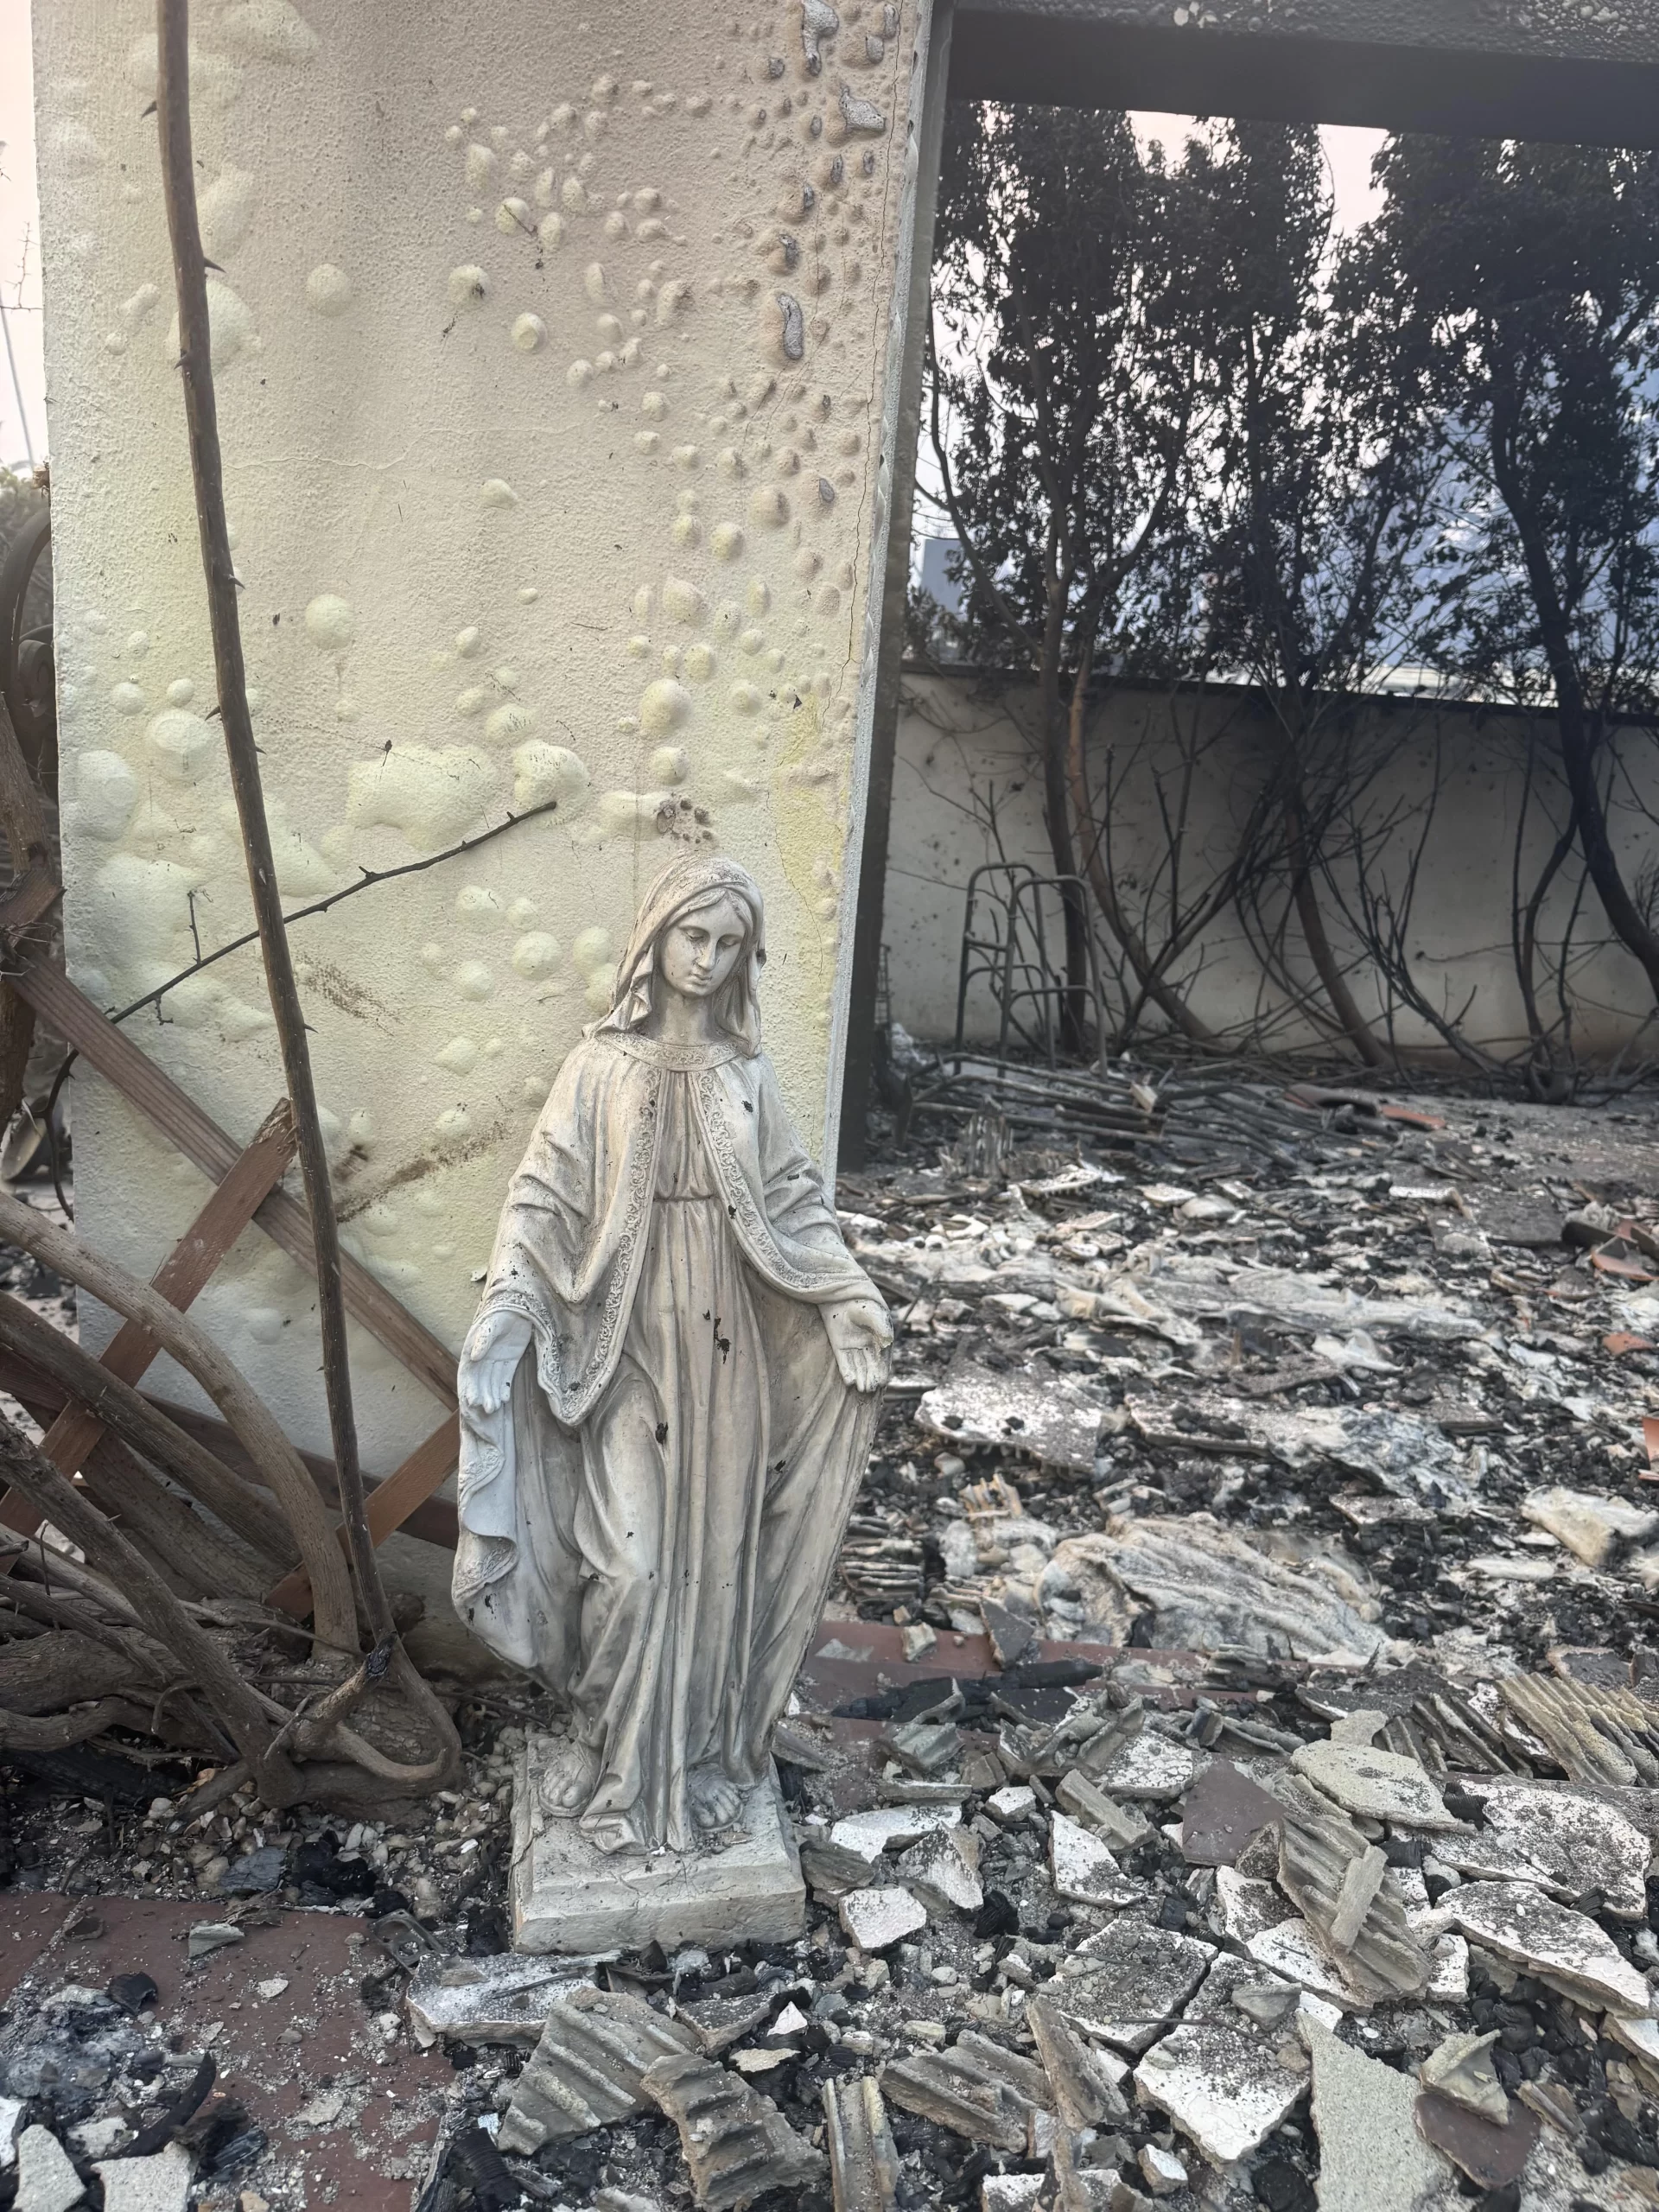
{"x": 567, "y": 1896}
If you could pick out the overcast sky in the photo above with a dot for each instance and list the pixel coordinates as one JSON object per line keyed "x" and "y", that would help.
{"x": 1348, "y": 152}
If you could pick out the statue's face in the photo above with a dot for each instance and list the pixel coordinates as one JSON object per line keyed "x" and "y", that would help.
{"x": 696, "y": 955}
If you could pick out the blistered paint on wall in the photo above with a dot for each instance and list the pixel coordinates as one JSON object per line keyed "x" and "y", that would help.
{"x": 551, "y": 353}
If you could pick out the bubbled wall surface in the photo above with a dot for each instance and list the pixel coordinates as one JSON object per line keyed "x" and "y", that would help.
{"x": 552, "y": 347}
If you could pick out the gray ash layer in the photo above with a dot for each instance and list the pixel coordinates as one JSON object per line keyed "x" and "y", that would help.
{"x": 1291, "y": 1823}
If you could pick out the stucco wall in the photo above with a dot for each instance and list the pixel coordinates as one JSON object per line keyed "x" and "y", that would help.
{"x": 552, "y": 348}
{"x": 964, "y": 757}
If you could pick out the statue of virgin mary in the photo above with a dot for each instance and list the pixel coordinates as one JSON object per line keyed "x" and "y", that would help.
{"x": 651, "y": 1504}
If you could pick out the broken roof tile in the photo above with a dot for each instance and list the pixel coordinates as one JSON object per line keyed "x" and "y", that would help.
{"x": 1492, "y": 2153}
{"x": 1220, "y": 1813}
{"x": 1126, "y": 1983}
{"x": 1371, "y": 2159}
{"x": 736, "y": 2142}
{"x": 1375, "y": 1784}
{"x": 586, "y": 2070}
{"x": 976, "y": 2088}
{"x": 1564, "y": 1842}
{"x": 1460, "y": 2067}
{"x": 1564, "y": 1948}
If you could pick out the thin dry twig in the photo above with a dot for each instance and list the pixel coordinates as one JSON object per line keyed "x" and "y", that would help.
{"x": 368, "y": 879}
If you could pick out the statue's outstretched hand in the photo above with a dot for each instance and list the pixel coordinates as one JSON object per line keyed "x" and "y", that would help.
{"x": 491, "y": 1358}
{"x": 860, "y": 1336}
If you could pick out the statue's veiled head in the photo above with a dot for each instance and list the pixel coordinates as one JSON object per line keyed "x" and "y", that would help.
{"x": 683, "y": 940}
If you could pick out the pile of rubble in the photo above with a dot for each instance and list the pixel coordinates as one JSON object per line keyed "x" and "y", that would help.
{"x": 1229, "y": 1776}
{"x": 1397, "y": 1385}
{"x": 86, "y": 2048}
{"x": 1328, "y": 1883}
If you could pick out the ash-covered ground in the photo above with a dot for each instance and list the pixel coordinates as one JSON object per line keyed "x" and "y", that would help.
{"x": 1228, "y": 1774}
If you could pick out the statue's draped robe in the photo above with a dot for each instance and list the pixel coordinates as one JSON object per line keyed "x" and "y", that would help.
{"x": 650, "y": 1523}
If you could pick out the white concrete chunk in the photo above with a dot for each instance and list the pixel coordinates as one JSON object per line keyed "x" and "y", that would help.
{"x": 1048, "y": 1419}
{"x": 1289, "y": 1949}
{"x": 1150, "y": 1766}
{"x": 870, "y": 1834}
{"x": 1565, "y": 1843}
{"x": 1228, "y": 2087}
{"x": 47, "y": 2182}
{"x": 11, "y": 2113}
{"x": 1126, "y": 1983}
{"x": 1512, "y": 1567}
{"x": 1013, "y": 1803}
{"x": 1640, "y": 2039}
{"x": 1163, "y": 2172}
{"x": 157, "y": 2184}
{"x": 1009, "y": 2192}
{"x": 1083, "y": 1869}
{"x": 875, "y": 1918}
{"x": 1448, "y": 1978}
{"x": 1371, "y": 2159}
{"x": 101, "y": 2138}
{"x": 939, "y": 1870}
{"x": 1375, "y": 1784}
{"x": 501, "y": 2000}
{"x": 1244, "y": 1907}
{"x": 1587, "y": 1522}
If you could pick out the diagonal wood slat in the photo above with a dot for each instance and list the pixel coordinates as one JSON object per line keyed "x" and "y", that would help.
{"x": 391, "y": 1503}
{"x": 43, "y": 1400}
{"x": 410, "y": 1488}
{"x": 30, "y": 901}
{"x": 115, "y": 1057}
{"x": 182, "y": 1277}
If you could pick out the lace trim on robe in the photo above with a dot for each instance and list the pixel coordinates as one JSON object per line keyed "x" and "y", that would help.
{"x": 753, "y": 1228}
{"x": 682, "y": 1059}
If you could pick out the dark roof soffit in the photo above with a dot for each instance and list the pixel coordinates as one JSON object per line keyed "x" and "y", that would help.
{"x": 1489, "y": 67}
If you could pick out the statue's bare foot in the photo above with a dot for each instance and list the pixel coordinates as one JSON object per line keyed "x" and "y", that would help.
{"x": 569, "y": 1782}
{"x": 716, "y": 1800}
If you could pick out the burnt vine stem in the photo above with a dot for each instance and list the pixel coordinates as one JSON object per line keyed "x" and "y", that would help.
{"x": 178, "y": 174}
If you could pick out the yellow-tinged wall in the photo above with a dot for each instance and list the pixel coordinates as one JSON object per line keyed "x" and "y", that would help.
{"x": 552, "y": 347}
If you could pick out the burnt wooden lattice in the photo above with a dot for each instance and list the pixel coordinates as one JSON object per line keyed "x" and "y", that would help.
{"x": 249, "y": 1190}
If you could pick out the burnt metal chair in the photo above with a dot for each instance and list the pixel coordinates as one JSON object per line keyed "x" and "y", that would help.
{"x": 1005, "y": 933}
